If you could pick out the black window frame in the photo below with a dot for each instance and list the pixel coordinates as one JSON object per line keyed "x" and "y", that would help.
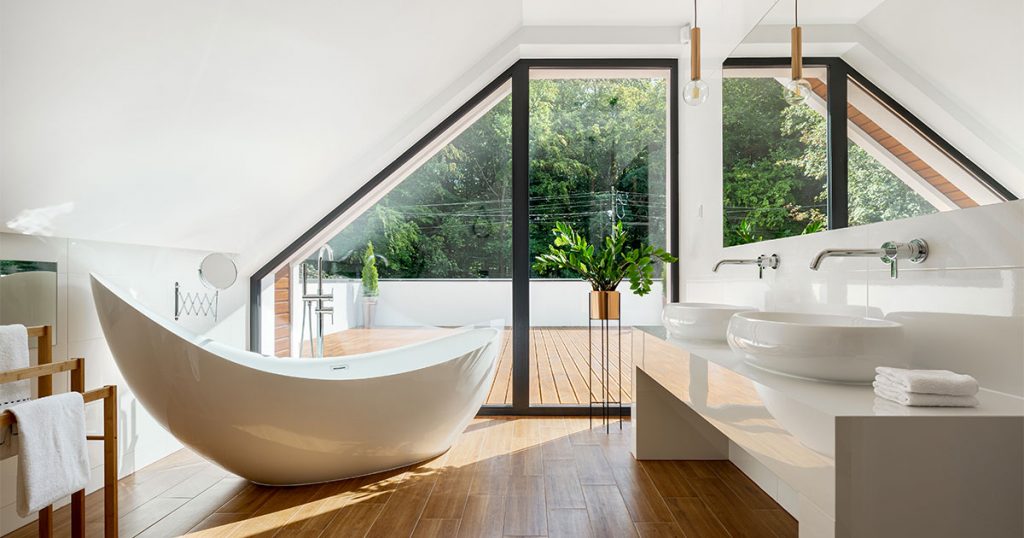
{"x": 837, "y": 136}
{"x": 519, "y": 75}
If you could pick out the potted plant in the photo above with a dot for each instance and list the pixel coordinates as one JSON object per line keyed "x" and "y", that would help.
{"x": 370, "y": 286}
{"x": 603, "y": 268}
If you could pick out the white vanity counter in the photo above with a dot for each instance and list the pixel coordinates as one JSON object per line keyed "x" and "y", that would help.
{"x": 859, "y": 463}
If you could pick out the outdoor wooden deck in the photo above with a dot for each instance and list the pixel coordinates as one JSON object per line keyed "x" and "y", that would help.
{"x": 558, "y": 361}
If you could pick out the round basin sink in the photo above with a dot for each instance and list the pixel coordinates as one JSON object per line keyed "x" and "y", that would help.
{"x": 699, "y": 321}
{"x": 818, "y": 346}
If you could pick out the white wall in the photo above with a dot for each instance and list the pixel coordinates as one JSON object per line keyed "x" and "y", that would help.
{"x": 149, "y": 273}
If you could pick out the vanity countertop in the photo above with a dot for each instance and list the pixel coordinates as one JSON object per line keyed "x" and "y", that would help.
{"x": 728, "y": 371}
{"x": 852, "y": 458}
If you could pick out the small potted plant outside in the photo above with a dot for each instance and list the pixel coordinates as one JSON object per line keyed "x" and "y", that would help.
{"x": 603, "y": 268}
{"x": 370, "y": 286}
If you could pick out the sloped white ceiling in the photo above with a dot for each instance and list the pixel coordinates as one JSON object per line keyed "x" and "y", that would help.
{"x": 202, "y": 123}
{"x": 235, "y": 125}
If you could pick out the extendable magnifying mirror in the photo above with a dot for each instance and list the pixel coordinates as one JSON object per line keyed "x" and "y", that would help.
{"x": 217, "y": 271}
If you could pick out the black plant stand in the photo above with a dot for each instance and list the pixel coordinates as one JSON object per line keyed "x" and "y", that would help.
{"x": 604, "y": 309}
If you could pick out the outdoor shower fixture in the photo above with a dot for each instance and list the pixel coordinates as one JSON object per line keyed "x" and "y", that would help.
{"x": 313, "y": 306}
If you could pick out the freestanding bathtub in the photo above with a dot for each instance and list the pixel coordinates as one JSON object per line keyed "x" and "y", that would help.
{"x": 288, "y": 421}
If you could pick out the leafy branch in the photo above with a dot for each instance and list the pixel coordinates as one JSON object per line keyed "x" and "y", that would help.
{"x": 605, "y": 268}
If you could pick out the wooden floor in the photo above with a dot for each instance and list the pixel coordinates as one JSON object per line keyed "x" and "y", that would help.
{"x": 504, "y": 477}
{"x": 558, "y": 361}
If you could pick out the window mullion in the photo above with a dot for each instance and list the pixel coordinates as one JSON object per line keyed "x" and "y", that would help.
{"x": 520, "y": 237}
{"x": 838, "y": 148}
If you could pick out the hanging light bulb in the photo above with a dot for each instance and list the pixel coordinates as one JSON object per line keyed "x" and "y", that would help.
{"x": 696, "y": 91}
{"x": 797, "y": 89}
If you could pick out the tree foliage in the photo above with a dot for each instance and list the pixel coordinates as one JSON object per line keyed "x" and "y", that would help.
{"x": 597, "y": 156}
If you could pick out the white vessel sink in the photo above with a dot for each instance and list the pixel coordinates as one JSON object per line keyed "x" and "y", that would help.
{"x": 818, "y": 346}
{"x": 699, "y": 321}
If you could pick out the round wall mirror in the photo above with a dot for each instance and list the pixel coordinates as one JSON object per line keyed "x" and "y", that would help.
{"x": 217, "y": 271}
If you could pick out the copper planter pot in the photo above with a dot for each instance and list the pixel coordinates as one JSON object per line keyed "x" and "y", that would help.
{"x": 604, "y": 305}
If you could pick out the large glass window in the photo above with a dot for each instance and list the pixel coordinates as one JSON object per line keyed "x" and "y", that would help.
{"x": 427, "y": 246}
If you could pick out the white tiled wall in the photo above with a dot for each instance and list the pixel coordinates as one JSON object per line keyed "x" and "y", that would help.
{"x": 150, "y": 273}
{"x": 963, "y": 308}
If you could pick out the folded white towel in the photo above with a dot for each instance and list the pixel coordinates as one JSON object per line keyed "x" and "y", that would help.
{"x": 928, "y": 381}
{"x": 53, "y": 461}
{"x": 917, "y": 399}
{"x": 14, "y": 355}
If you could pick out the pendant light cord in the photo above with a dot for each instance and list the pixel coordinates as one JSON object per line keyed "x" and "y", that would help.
{"x": 796, "y": 13}
{"x": 695, "y": 25}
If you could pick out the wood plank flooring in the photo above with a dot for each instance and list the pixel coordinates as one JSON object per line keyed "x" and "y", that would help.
{"x": 558, "y": 361}
{"x": 504, "y": 477}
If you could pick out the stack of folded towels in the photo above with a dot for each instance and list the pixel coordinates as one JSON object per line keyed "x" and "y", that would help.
{"x": 926, "y": 388}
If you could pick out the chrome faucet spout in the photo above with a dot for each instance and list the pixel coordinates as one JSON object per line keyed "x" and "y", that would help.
{"x": 732, "y": 262}
{"x": 846, "y": 253}
{"x": 762, "y": 262}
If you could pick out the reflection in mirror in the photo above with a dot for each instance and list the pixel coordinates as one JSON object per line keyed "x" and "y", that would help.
{"x": 28, "y": 294}
{"x": 774, "y": 155}
{"x": 889, "y": 130}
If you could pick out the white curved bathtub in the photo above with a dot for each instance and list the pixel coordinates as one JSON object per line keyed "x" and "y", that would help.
{"x": 287, "y": 421}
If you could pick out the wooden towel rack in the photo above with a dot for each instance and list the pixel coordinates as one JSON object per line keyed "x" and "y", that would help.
{"x": 43, "y": 374}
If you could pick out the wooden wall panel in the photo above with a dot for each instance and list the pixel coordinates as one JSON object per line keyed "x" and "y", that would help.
{"x": 282, "y": 312}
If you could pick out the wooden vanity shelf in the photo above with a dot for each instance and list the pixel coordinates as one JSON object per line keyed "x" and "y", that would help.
{"x": 43, "y": 374}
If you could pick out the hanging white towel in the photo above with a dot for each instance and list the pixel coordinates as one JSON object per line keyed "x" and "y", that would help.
{"x": 928, "y": 381}
{"x": 53, "y": 461}
{"x": 14, "y": 355}
{"x": 917, "y": 399}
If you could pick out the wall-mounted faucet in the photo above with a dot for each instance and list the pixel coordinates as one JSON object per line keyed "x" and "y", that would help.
{"x": 916, "y": 251}
{"x": 762, "y": 262}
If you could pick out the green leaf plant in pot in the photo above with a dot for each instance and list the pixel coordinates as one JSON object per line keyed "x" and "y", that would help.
{"x": 604, "y": 268}
{"x": 370, "y": 286}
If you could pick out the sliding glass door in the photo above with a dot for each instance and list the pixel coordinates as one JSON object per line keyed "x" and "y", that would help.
{"x": 599, "y": 138}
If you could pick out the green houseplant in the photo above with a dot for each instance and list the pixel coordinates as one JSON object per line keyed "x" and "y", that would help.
{"x": 604, "y": 268}
{"x": 371, "y": 289}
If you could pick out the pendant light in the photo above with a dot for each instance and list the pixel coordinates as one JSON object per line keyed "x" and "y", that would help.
{"x": 696, "y": 91}
{"x": 797, "y": 89}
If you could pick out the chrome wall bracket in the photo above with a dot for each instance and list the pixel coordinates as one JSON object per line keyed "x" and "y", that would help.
{"x": 916, "y": 251}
